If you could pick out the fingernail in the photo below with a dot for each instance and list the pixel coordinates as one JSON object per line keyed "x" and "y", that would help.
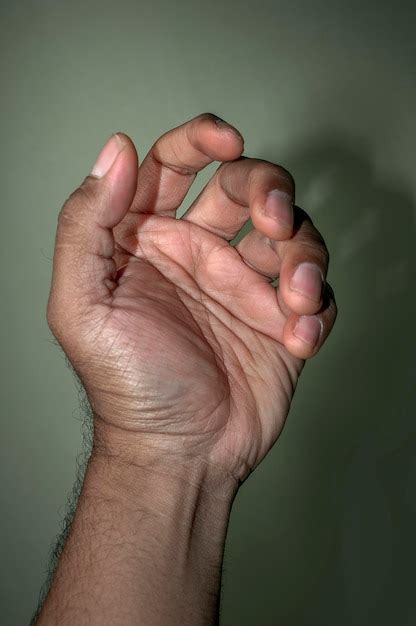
{"x": 223, "y": 125}
{"x": 308, "y": 328}
{"x": 279, "y": 206}
{"x": 107, "y": 156}
{"x": 307, "y": 280}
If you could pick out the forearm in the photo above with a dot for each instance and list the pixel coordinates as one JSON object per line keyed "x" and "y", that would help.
{"x": 146, "y": 547}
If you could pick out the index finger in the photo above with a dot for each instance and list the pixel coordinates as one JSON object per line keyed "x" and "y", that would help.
{"x": 171, "y": 165}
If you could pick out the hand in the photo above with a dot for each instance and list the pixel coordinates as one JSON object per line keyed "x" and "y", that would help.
{"x": 185, "y": 348}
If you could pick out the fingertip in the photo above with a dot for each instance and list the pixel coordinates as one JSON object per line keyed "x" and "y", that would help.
{"x": 224, "y": 141}
{"x": 120, "y": 181}
{"x": 303, "y": 335}
{"x": 272, "y": 214}
{"x": 126, "y": 163}
{"x": 222, "y": 125}
{"x": 125, "y": 139}
{"x": 128, "y": 145}
{"x": 302, "y": 285}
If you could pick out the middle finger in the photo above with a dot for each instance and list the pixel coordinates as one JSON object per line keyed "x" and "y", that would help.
{"x": 242, "y": 189}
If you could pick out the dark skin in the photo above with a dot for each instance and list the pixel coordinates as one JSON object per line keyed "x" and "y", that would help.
{"x": 189, "y": 357}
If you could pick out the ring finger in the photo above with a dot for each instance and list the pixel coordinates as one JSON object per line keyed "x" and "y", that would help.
{"x": 301, "y": 263}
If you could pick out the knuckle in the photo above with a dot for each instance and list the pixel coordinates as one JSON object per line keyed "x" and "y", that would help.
{"x": 285, "y": 176}
{"x": 168, "y": 152}
{"x": 314, "y": 246}
{"x": 311, "y": 239}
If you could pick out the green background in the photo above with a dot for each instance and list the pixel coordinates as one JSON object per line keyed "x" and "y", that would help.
{"x": 323, "y": 532}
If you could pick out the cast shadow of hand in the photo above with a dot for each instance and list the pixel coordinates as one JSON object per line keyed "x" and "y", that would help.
{"x": 347, "y": 556}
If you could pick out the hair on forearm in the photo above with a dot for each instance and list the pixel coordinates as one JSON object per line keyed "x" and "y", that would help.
{"x": 87, "y": 431}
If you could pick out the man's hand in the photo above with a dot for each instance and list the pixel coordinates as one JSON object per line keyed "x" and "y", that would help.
{"x": 185, "y": 348}
{"x": 189, "y": 357}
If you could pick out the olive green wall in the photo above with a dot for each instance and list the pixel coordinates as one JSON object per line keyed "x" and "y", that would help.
{"x": 323, "y": 532}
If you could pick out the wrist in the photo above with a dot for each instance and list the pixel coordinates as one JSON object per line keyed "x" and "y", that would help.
{"x": 160, "y": 459}
{"x": 171, "y": 524}
{"x": 140, "y": 528}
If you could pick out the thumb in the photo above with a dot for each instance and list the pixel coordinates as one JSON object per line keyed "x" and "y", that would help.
{"x": 83, "y": 265}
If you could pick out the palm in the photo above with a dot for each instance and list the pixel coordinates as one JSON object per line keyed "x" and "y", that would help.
{"x": 195, "y": 323}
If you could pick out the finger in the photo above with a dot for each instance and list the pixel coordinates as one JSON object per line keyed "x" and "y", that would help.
{"x": 304, "y": 267}
{"x": 243, "y": 189}
{"x": 301, "y": 263}
{"x": 172, "y": 163}
{"x": 304, "y": 335}
{"x": 83, "y": 269}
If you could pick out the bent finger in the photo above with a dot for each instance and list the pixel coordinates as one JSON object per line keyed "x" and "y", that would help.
{"x": 301, "y": 262}
{"x": 242, "y": 189}
{"x": 170, "y": 167}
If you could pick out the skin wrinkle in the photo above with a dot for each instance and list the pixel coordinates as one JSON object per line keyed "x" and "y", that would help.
{"x": 108, "y": 240}
{"x": 290, "y": 377}
{"x": 209, "y": 298}
{"x": 217, "y": 354}
{"x": 259, "y": 170}
{"x": 196, "y": 258}
{"x": 192, "y": 138}
{"x": 269, "y": 279}
{"x": 182, "y": 322}
{"x": 212, "y": 312}
{"x": 212, "y": 338}
{"x": 159, "y": 409}
{"x": 237, "y": 382}
{"x": 182, "y": 171}
{"x": 319, "y": 252}
{"x": 242, "y": 462}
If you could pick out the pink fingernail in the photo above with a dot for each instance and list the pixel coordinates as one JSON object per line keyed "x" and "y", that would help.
{"x": 308, "y": 281}
{"x": 107, "y": 156}
{"x": 279, "y": 206}
{"x": 308, "y": 329}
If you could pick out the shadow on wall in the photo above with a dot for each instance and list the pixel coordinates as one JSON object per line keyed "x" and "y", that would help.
{"x": 372, "y": 384}
{"x": 348, "y": 556}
